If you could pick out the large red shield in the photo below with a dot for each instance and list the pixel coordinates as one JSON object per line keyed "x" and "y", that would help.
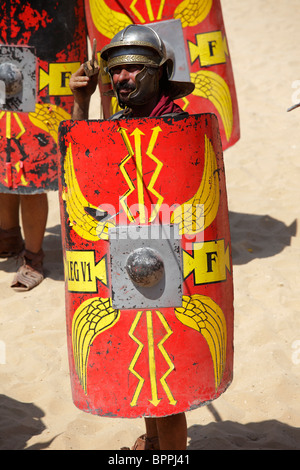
{"x": 153, "y": 185}
{"x": 204, "y": 42}
{"x": 49, "y": 39}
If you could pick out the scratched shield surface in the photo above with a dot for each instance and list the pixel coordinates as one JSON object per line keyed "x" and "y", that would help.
{"x": 201, "y": 38}
{"x": 44, "y": 42}
{"x": 153, "y": 184}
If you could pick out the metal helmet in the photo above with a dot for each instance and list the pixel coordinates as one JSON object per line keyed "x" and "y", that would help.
{"x": 139, "y": 44}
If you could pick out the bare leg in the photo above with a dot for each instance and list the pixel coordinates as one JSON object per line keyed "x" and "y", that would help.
{"x": 9, "y": 211}
{"x": 34, "y": 211}
{"x": 170, "y": 430}
{"x": 11, "y": 242}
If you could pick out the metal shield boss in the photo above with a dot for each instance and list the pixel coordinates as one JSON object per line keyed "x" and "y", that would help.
{"x": 195, "y": 37}
{"x": 41, "y": 45}
{"x": 147, "y": 259}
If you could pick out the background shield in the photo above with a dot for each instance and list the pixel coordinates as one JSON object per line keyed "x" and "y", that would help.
{"x": 201, "y": 38}
{"x": 156, "y": 183}
{"x": 46, "y": 40}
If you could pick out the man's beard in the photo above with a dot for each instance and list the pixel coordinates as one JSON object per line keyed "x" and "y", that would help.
{"x": 123, "y": 86}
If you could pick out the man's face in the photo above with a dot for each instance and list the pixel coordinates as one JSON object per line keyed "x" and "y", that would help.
{"x": 123, "y": 77}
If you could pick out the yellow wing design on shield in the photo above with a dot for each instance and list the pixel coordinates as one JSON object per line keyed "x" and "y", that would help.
{"x": 108, "y": 22}
{"x": 199, "y": 212}
{"x": 213, "y": 87}
{"x": 94, "y": 316}
{"x": 48, "y": 117}
{"x": 83, "y": 215}
{"x": 192, "y": 12}
{"x": 202, "y": 314}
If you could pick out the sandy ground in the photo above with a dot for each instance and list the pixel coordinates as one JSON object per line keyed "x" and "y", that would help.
{"x": 260, "y": 410}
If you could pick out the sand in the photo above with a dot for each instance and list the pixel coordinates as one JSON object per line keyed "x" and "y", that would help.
{"x": 260, "y": 410}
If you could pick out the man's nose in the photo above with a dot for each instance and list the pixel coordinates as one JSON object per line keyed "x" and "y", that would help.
{"x": 123, "y": 75}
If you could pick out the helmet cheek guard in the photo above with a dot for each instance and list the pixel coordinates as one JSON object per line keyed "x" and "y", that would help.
{"x": 147, "y": 86}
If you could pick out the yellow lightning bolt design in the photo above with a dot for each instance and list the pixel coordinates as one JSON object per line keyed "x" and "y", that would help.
{"x": 125, "y": 174}
{"x": 149, "y": 11}
{"x": 152, "y": 367}
{"x": 20, "y": 124}
{"x": 159, "y": 166}
{"x": 152, "y": 364}
{"x": 8, "y": 124}
{"x": 202, "y": 314}
{"x": 135, "y": 358}
{"x": 166, "y": 357}
{"x": 136, "y": 12}
{"x": 137, "y": 133}
{"x": 160, "y": 10}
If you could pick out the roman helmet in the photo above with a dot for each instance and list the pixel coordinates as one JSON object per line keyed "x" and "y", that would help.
{"x": 137, "y": 44}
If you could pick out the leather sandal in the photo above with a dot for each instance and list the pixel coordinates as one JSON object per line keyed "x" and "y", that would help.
{"x": 11, "y": 242}
{"x": 30, "y": 274}
{"x": 144, "y": 443}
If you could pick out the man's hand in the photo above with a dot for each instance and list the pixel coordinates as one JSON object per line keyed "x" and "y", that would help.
{"x": 82, "y": 88}
{"x": 91, "y": 67}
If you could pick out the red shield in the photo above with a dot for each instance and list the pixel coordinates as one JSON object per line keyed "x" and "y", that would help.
{"x": 133, "y": 353}
{"x": 55, "y": 32}
{"x": 205, "y": 45}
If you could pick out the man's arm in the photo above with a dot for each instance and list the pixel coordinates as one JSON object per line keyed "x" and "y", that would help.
{"x": 82, "y": 88}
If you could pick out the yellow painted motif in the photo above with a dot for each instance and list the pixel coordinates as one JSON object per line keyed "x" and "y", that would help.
{"x": 198, "y": 213}
{"x": 93, "y": 317}
{"x": 167, "y": 358}
{"x": 58, "y": 78}
{"x": 48, "y": 117}
{"x": 192, "y": 12}
{"x": 152, "y": 365}
{"x": 107, "y": 21}
{"x": 210, "y": 49}
{"x": 81, "y": 221}
{"x": 202, "y": 314}
{"x": 208, "y": 263}
{"x": 135, "y": 358}
{"x": 140, "y": 187}
{"x": 213, "y": 87}
{"x": 81, "y": 271}
{"x": 154, "y": 399}
{"x": 9, "y": 115}
{"x": 9, "y": 135}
